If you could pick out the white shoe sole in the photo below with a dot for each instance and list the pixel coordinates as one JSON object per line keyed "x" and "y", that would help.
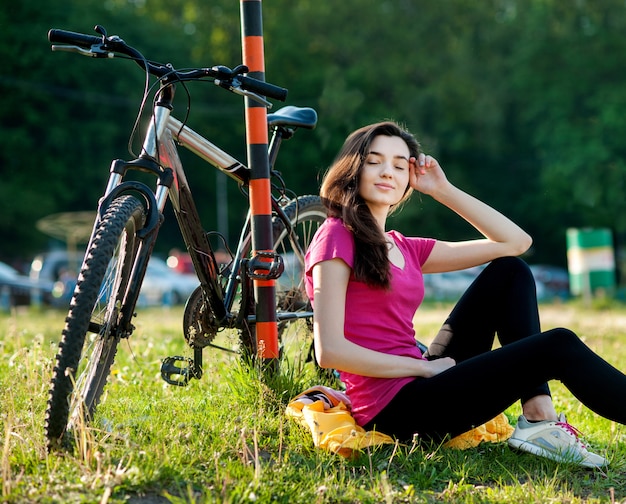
{"x": 532, "y": 448}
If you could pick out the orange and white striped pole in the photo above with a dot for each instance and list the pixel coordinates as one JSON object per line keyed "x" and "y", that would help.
{"x": 260, "y": 192}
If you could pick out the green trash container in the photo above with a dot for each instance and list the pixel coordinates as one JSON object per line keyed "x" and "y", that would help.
{"x": 590, "y": 261}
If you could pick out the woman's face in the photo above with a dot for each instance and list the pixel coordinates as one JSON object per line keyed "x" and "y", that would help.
{"x": 385, "y": 172}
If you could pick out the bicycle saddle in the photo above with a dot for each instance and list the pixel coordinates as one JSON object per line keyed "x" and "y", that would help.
{"x": 299, "y": 117}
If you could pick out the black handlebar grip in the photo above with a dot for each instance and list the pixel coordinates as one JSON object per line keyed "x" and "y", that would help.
{"x": 264, "y": 88}
{"x": 72, "y": 38}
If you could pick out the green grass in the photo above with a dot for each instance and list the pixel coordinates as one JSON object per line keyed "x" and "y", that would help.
{"x": 225, "y": 438}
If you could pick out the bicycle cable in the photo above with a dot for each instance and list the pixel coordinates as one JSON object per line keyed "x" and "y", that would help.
{"x": 148, "y": 90}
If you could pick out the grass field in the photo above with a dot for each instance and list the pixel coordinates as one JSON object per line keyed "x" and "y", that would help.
{"x": 225, "y": 438}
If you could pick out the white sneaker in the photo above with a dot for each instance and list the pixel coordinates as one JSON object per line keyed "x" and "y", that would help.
{"x": 558, "y": 441}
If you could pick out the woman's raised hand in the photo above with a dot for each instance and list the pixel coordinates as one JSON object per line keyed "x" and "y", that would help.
{"x": 426, "y": 176}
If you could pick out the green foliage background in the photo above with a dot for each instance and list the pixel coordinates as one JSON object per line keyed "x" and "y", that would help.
{"x": 523, "y": 102}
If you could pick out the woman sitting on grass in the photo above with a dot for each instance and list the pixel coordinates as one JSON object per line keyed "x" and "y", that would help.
{"x": 366, "y": 284}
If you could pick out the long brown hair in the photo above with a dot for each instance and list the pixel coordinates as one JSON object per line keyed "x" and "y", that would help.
{"x": 340, "y": 194}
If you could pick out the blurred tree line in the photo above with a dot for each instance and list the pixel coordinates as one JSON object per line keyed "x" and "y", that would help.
{"x": 522, "y": 101}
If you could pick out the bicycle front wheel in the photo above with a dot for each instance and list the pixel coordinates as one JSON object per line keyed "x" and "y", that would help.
{"x": 92, "y": 333}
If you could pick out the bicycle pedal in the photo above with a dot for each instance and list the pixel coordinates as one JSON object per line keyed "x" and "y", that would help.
{"x": 178, "y": 375}
{"x": 265, "y": 265}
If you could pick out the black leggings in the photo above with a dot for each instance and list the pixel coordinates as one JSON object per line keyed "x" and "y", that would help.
{"x": 502, "y": 300}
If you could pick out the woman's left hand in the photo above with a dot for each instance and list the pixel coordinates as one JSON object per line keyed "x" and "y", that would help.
{"x": 426, "y": 175}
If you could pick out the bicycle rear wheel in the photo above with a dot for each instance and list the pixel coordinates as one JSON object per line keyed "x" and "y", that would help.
{"x": 306, "y": 214}
{"x": 92, "y": 333}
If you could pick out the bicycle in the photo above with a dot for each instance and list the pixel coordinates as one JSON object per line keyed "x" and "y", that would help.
{"x": 126, "y": 227}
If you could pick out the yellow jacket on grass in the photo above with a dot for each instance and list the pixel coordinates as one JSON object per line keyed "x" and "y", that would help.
{"x": 326, "y": 413}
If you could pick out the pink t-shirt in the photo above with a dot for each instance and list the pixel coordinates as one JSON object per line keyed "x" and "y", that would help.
{"x": 375, "y": 318}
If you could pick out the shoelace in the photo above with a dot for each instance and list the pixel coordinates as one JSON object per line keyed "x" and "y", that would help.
{"x": 573, "y": 431}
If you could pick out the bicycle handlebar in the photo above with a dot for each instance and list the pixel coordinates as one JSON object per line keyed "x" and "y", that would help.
{"x": 106, "y": 47}
{"x": 73, "y": 38}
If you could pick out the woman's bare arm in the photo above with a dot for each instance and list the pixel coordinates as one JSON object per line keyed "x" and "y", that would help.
{"x": 502, "y": 237}
{"x": 333, "y": 350}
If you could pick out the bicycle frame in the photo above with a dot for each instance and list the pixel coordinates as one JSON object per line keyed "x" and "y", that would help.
{"x": 160, "y": 157}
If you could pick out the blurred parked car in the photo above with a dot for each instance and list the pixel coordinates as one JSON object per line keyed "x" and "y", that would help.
{"x": 20, "y": 290}
{"x": 552, "y": 281}
{"x": 164, "y": 286}
{"x": 59, "y": 268}
{"x": 449, "y": 286}
{"x": 181, "y": 261}
{"x": 161, "y": 285}
{"x": 52, "y": 266}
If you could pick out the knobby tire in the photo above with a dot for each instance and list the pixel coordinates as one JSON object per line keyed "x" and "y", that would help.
{"x": 91, "y": 333}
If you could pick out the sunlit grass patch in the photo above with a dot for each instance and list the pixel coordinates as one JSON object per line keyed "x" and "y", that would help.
{"x": 225, "y": 438}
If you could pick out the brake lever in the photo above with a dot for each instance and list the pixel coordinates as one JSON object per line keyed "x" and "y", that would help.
{"x": 91, "y": 53}
{"x": 253, "y": 96}
{"x": 234, "y": 86}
